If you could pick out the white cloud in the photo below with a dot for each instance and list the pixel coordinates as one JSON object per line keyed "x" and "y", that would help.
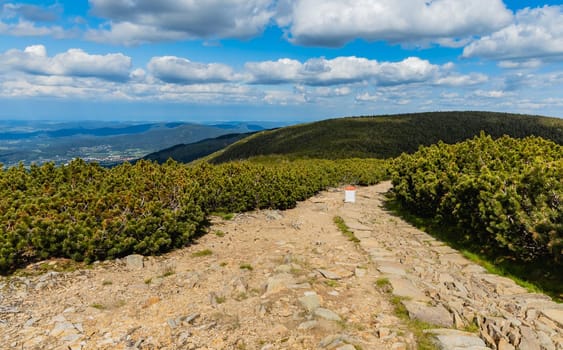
{"x": 400, "y": 95}
{"x": 384, "y": 97}
{"x": 461, "y": 80}
{"x": 282, "y": 71}
{"x": 449, "y": 95}
{"x": 32, "y": 13}
{"x": 524, "y": 80}
{"x": 336, "y": 22}
{"x": 490, "y": 93}
{"x": 536, "y": 34}
{"x": 215, "y": 94}
{"x": 130, "y": 34}
{"x": 367, "y": 97}
{"x": 283, "y": 97}
{"x": 72, "y": 63}
{"x": 36, "y": 50}
{"x": 138, "y": 75}
{"x": 134, "y": 22}
{"x": 340, "y": 85}
{"x": 22, "y": 20}
{"x": 340, "y": 70}
{"x": 526, "y": 64}
{"x": 331, "y": 92}
{"x": 58, "y": 86}
{"x": 27, "y": 28}
{"x": 409, "y": 70}
{"x": 178, "y": 70}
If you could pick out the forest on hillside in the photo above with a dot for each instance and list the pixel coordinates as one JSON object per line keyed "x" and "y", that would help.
{"x": 387, "y": 136}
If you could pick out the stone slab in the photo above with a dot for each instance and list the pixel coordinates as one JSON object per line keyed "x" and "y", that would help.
{"x": 336, "y": 273}
{"x": 134, "y": 261}
{"x": 555, "y": 315}
{"x": 327, "y": 314}
{"x": 405, "y": 288}
{"x": 437, "y": 315}
{"x": 380, "y": 253}
{"x": 391, "y": 268}
{"x": 451, "y": 339}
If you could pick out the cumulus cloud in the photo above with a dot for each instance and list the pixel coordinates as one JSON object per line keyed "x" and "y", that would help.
{"x": 134, "y": 22}
{"x": 522, "y": 80}
{"x": 342, "y": 82}
{"x": 409, "y": 70}
{"x": 526, "y": 64}
{"x": 283, "y": 97}
{"x": 461, "y": 79}
{"x": 22, "y": 20}
{"x": 282, "y": 71}
{"x": 179, "y": 70}
{"x": 387, "y": 97}
{"x": 32, "y": 13}
{"x": 331, "y": 92}
{"x": 536, "y": 34}
{"x": 217, "y": 93}
{"x": 340, "y": 70}
{"x": 27, "y": 28}
{"x": 72, "y": 63}
{"x": 336, "y": 22}
{"x": 490, "y": 93}
{"x": 449, "y": 95}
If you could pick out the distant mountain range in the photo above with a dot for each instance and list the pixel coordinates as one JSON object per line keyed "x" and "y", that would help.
{"x": 186, "y": 153}
{"x": 103, "y": 142}
{"x": 364, "y": 137}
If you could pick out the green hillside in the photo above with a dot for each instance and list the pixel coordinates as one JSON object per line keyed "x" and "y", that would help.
{"x": 387, "y": 136}
{"x": 186, "y": 153}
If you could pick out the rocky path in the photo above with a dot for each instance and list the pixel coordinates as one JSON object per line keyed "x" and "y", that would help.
{"x": 281, "y": 280}
{"x": 439, "y": 286}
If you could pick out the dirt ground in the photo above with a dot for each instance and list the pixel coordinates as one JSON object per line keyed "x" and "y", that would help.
{"x": 262, "y": 280}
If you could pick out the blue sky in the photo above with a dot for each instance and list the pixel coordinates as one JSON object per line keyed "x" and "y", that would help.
{"x": 278, "y": 60}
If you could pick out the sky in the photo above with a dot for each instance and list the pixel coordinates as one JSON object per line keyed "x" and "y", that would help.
{"x": 277, "y": 60}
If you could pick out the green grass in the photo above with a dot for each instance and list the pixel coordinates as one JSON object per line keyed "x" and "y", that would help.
{"x": 246, "y": 267}
{"x": 500, "y": 270}
{"x": 59, "y": 265}
{"x": 345, "y": 230}
{"x": 424, "y": 340}
{"x": 331, "y": 283}
{"x": 219, "y": 233}
{"x": 382, "y": 282}
{"x": 384, "y": 285}
{"x": 168, "y": 271}
{"x": 536, "y": 278}
{"x": 202, "y": 253}
{"x": 400, "y": 309}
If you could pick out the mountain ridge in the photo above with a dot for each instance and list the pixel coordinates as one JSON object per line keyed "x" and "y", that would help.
{"x": 386, "y": 136}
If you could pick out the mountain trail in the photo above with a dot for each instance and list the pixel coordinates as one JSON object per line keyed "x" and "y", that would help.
{"x": 282, "y": 280}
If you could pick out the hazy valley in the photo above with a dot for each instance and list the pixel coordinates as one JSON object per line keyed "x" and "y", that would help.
{"x": 107, "y": 143}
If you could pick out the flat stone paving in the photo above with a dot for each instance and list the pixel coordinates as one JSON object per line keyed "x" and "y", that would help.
{"x": 440, "y": 286}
